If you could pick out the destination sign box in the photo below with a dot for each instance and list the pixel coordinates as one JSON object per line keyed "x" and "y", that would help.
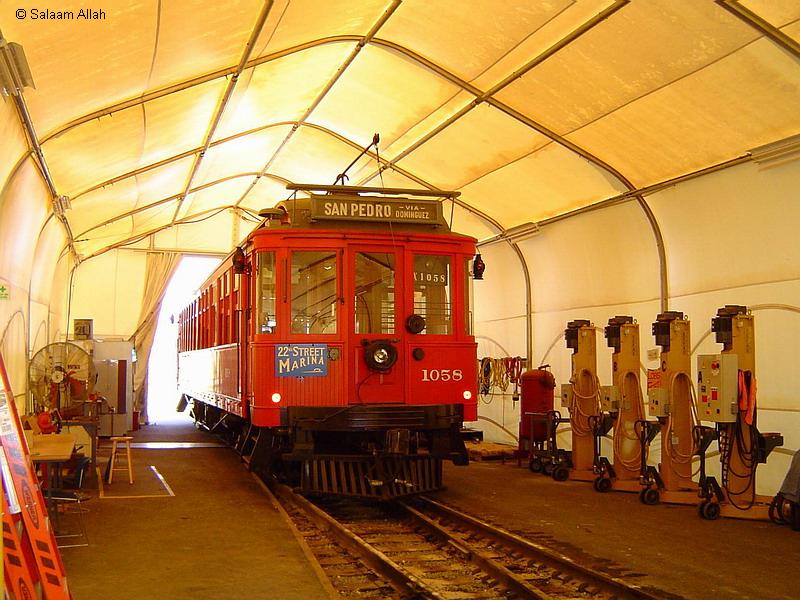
{"x": 358, "y": 208}
{"x": 301, "y": 360}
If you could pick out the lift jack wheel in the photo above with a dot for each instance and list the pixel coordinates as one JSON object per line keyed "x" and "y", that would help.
{"x": 649, "y": 496}
{"x": 561, "y": 473}
{"x": 709, "y": 510}
{"x": 601, "y": 484}
{"x": 536, "y": 465}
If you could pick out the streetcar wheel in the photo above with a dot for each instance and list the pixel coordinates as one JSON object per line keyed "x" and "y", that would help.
{"x": 601, "y": 484}
{"x": 650, "y": 496}
{"x": 561, "y": 474}
{"x": 536, "y": 465}
{"x": 710, "y": 510}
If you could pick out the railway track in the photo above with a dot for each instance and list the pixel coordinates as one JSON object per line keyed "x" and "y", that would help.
{"x": 424, "y": 549}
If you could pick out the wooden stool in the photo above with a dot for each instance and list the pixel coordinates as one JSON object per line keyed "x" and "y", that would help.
{"x": 120, "y": 439}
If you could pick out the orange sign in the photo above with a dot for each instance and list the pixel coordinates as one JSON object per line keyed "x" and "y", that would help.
{"x": 653, "y": 379}
{"x": 51, "y": 575}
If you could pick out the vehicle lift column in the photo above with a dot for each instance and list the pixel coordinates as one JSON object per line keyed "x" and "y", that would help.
{"x": 726, "y": 395}
{"x": 581, "y": 396}
{"x": 669, "y": 392}
{"x": 624, "y": 396}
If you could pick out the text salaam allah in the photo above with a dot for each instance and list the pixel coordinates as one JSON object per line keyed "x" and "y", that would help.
{"x": 84, "y": 14}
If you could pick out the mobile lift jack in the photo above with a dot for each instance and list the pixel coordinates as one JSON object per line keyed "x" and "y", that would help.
{"x": 726, "y": 383}
{"x": 621, "y": 407}
{"x": 669, "y": 392}
{"x": 582, "y": 396}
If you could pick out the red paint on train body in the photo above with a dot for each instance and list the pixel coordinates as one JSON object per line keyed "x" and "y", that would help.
{"x": 314, "y": 298}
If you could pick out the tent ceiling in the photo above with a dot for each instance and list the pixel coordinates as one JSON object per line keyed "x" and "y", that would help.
{"x": 167, "y": 119}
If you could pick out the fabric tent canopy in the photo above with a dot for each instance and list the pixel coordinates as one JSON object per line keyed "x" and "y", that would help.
{"x": 163, "y": 114}
{"x": 631, "y": 133}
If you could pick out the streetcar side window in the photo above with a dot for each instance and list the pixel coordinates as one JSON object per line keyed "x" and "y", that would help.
{"x": 374, "y": 297}
{"x": 267, "y": 317}
{"x": 314, "y": 292}
{"x": 432, "y": 292}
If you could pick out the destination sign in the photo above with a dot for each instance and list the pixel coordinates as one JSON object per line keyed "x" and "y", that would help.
{"x": 301, "y": 360}
{"x": 357, "y": 208}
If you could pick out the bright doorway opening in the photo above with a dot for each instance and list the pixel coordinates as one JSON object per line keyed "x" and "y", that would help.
{"x": 162, "y": 372}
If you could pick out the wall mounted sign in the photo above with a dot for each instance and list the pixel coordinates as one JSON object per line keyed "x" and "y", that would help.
{"x": 383, "y": 210}
{"x": 301, "y": 360}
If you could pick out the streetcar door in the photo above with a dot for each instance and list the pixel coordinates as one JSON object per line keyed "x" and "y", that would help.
{"x": 375, "y": 296}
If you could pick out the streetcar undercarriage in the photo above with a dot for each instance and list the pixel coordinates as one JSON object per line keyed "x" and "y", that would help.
{"x": 375, "y": 451}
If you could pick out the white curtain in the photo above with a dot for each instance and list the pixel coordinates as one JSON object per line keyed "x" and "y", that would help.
{"x": 159, "y": 271}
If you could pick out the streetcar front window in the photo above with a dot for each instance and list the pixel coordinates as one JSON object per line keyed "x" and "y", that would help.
{"x": 374, "y": 298}
{"x": 432, "y": 292}
{"x": 314, "y": 292}
{"x": 267, "y": 316}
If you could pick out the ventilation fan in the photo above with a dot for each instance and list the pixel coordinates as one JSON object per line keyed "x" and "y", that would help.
{"x": 61, "y": 377}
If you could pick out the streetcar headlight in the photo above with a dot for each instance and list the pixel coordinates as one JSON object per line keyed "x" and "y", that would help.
{"x": 276, "y": 397}
{"x": 380, "y": 356}
{"x": 467, "y": 395}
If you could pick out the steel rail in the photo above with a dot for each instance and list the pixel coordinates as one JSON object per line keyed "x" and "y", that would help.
{"x": 498, "y": 572}
{"x": 399, "y": 578}
{"x": 541, "y": 553}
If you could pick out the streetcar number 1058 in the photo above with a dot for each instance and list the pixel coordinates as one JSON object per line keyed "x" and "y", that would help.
{"x": 442, "y": 375}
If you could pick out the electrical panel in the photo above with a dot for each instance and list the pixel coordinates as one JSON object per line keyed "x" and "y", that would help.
{"x": 567, "y": 395}
{"x": 609, "y": 398}
{"x": 718, "y": 387}
{"x": 658, "y": 399}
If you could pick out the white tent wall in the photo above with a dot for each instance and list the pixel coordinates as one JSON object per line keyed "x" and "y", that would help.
{"x": 721, "y": 248}
{"x": 589, "y": 266}
{"x": 109, "y": 289}
{"x": 499, "y": 309}
{"x": 42, "y": 289}
{"x": 731, "y": 238}
{"x": 24, "y": 207}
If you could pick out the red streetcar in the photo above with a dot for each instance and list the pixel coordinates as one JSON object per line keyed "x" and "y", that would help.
{"x": 335, "y": 346}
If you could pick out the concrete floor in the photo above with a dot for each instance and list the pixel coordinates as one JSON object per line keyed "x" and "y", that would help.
{"x": 669, "y": 545}
{"x": 217, "y": 537}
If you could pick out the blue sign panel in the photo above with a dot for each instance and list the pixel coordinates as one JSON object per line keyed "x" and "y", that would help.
{"x": 301, "y": 360}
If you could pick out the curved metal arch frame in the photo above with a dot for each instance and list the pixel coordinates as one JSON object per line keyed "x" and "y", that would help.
{"x": 481, "y": 96}
{"x": 257, "y": 175}
{"x": 144, "y": 235}
{"x": 226, "y": 97}
{"x": 173, "y": 197}
{"x": 441, "y": 71}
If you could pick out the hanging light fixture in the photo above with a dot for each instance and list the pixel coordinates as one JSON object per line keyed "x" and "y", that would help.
{"x": 15, "y": 74}
{"x": 239, "y": 262}
{"x": 478, "y": 267}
